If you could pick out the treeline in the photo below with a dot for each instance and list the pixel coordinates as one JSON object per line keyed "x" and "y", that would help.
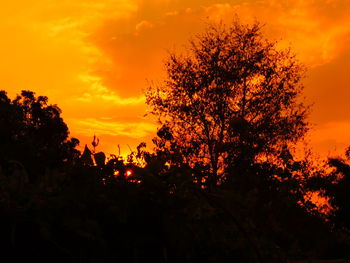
{"x": 74, "y": 207}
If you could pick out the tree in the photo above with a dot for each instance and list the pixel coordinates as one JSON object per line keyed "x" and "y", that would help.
{"x": 33, "y": 133}
{"x": 232, "y": 99}
{"x": 335, "y": 186}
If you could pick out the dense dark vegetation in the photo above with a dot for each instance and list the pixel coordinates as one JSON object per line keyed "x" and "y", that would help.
{"x": 222, "y": 184}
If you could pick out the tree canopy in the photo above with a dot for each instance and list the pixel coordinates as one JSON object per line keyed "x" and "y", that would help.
{"x": 234, "y": 96}
{"x": 34, "y": 133}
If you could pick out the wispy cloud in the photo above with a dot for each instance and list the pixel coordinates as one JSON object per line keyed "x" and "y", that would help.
{"x": 102, "y": 127}
{"x": 98, "y": 93}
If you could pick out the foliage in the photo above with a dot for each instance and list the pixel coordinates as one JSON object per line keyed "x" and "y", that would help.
{"x": 232, "y": 98}
{"x": 97, "y": 213}
{"x": 337, "y": 190}
{"x": 34, "y": 134}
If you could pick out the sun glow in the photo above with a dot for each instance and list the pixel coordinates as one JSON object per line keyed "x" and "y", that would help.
{"x": 128, "y": 173}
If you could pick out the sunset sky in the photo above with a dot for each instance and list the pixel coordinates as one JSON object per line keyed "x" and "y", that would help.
{"x": 94, "y": 57}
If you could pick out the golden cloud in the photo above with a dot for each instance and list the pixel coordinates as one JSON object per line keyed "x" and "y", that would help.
{"x": 102, "y": 127}
{"x": 97, "y": 92}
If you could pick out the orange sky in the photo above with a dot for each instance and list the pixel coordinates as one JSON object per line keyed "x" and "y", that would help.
{"x": 93, "y": 58}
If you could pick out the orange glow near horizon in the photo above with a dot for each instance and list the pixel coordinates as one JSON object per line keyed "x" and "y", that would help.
{"x": 94, "y": 58}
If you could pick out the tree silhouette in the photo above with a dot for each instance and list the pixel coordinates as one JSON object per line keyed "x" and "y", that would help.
{"x": 336, "y": 187}
{"x": 233, "y": 98}
{"x": 33, "y": 133}
{"x": 94, "y": 210}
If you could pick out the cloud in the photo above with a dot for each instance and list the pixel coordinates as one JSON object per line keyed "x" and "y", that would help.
{"x": 97, "y": 92}
{"x": 314, "y": 29}
{"x": 103, "y": 127}
{"x": 143, "y": 25}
